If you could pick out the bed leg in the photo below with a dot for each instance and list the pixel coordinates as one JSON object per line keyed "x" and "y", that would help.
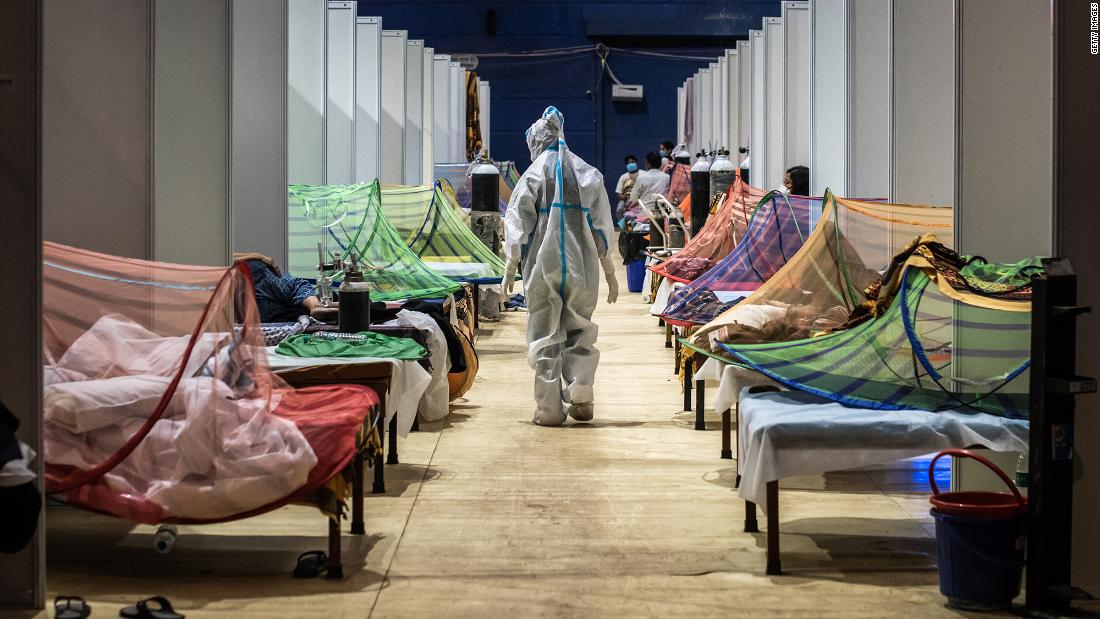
{"x": 676, "y": 358}
{"x": 477, "y": 307}
{"x": 687, "y": 387}
{"x": 391, "y": 458}
{"x": 700, "y": 410}
{"x": 335, "y": 569}
{"x": 379, "y": 486}
{"x": 737, "y": 432}
{"x": 668, "y": 335}
{"x": 772, "y": 491}
{"x": 416, "y": 425}
{"x": 751, "y": 526}
{"x": 357, "y": 526}
{"x": 727, "y": 451}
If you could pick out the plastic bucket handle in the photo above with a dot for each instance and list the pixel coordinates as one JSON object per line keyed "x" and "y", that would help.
{"x": 966, "y": 453}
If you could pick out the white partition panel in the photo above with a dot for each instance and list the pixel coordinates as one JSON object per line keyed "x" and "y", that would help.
{"x": 705, "y": 91}
{"x": 758, "y": 149}
{"x": 796, "y": 75}
{"x": 305, "y": 96}
{"x": 718, "y": 103}
{"x": 1005, "y": 126}
{"x": 744, "y": 98}
{"x": 484, "y": 111}
{"x": 733, "y": 96}
{"x": 258, "y": 139}
{"x": 191, "y": 91}
{"x": 368, "y": 98}
{"x": 868, "y": 91}
{"x": 340, "y": 90}
{"x": 414, "y": 112}
{"x": 774, "y": 104}
{"x": 923, "y": 101}
{"x": 441, "y": 105}
{"x": 428, "y": 149}
{"x": 693, "y": 105}
{"x": 458, "y": 116}
{"x": 680, "y": 114}
{"x": 393, "y": 106}
{"x": 829, "y": 107}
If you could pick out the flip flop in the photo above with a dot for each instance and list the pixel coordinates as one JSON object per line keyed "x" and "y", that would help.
{"x": 70, "y": 607}
{"x": 141, "y": 610}
{"x": 311, "y": 564}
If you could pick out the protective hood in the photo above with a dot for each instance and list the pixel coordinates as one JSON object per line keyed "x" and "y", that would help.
{"x": 545, "y": 131}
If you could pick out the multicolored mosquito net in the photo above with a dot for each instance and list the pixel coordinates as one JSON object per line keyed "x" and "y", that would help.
{"x": 346, "y": 218}
{"x": 159, "y": 405}
{"x": 775, "y": 234}
{"x": 723, "y": 231}
{"x": 940, "y": 331}
{"x": 430, "y": 222}
{"x": 823, "y": 283}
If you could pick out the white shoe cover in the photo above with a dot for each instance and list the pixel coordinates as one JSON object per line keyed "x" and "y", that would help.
{"x": 548, "y": 418}
{"x": 581, "y": 411}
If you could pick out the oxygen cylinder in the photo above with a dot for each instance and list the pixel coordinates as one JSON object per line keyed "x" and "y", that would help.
{"x": 744, "y": 157}
{"x": 354, "y": 314}
{"x": 485, "y": 206}
{"x": 722, "y": 174}
{"x": 700, "y": 193}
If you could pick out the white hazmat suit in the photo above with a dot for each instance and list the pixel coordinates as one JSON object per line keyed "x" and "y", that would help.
{"x": 559, "y": 224}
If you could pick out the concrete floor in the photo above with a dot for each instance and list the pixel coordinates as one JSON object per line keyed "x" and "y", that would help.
{"x": 490, "y": 515}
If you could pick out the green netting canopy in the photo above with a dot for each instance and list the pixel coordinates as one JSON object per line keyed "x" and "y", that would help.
{"x": 944, "y": 337}
{"x": 431, "y": 224}
{"x": 345, "y": 218}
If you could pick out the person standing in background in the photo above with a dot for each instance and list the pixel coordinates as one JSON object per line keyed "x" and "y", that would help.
{"x": 665, "y": 151}
{"x": 625, "y": 184}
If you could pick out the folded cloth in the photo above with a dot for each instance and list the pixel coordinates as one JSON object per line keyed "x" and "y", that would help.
{"x": 365, "y": 344}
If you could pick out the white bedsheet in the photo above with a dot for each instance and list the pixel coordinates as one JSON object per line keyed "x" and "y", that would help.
{"x": 436, "y": 401}
{"x": 407, "y": 386}
{"x": 462, "y": 269}
{"x": 790, "y": 433}
{"x": 664, "y": 291}
{"x": 731, "y": 380}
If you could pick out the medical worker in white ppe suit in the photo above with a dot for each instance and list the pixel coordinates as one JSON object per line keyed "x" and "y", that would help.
{"x": 559, "y": 226}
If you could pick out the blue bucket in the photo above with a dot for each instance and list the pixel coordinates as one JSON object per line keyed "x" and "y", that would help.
{"x": 635, "y": 275}
{"x": 980, "y": 537}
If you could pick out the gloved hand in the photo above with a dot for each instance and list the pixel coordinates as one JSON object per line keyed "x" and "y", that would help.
{"x": 609, "y": 275}
{"x": 509, "y": 278}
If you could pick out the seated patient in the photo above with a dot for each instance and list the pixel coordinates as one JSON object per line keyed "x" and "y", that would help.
{"x": 279, "y": 297}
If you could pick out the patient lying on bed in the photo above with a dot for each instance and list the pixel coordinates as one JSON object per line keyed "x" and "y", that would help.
{"x": 281, "y": 297}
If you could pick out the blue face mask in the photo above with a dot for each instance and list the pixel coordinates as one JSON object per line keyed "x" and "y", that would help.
{"x": 631, "y": 167}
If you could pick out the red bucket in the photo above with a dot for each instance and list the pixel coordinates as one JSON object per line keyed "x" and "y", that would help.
{"x": 973, "y": 504}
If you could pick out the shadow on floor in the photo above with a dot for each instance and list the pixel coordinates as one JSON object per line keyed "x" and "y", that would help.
{"x": 872, "y": 553}
{"x": 401, "y": 477}
{"x": 200, "y": 556}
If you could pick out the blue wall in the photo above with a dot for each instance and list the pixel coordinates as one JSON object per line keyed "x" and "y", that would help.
{"x": 598, "y": 129}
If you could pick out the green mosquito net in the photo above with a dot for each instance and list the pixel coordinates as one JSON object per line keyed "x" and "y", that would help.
{"x": 346, "y": 218}
{"x": 431, "y": 224}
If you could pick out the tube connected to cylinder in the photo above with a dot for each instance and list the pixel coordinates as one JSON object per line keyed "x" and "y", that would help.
{"x": 700, "y": 193}
{"x": 485, "y": 205}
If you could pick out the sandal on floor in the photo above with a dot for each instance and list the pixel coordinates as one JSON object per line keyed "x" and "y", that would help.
{"x": 70, "y": 607}
{"x": 141, "y": 610}
{"x": 311, "y": 564}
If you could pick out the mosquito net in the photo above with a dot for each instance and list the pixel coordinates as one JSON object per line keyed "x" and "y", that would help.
{"x": 346, "y": 218}
{"x": 775, "y": 233}
{"x": 159, "y": 405}
{"x": 429, "y": 221}
{"x": 940, "y": 331}
{"x": 718, "y": 237}
{"x": 820, "y": 285}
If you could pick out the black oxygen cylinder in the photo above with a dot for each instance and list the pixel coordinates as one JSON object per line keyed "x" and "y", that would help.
{"x": 354, "y": 312}
{"x": 485, "y": 188}
{"x": 700, "y": 193}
